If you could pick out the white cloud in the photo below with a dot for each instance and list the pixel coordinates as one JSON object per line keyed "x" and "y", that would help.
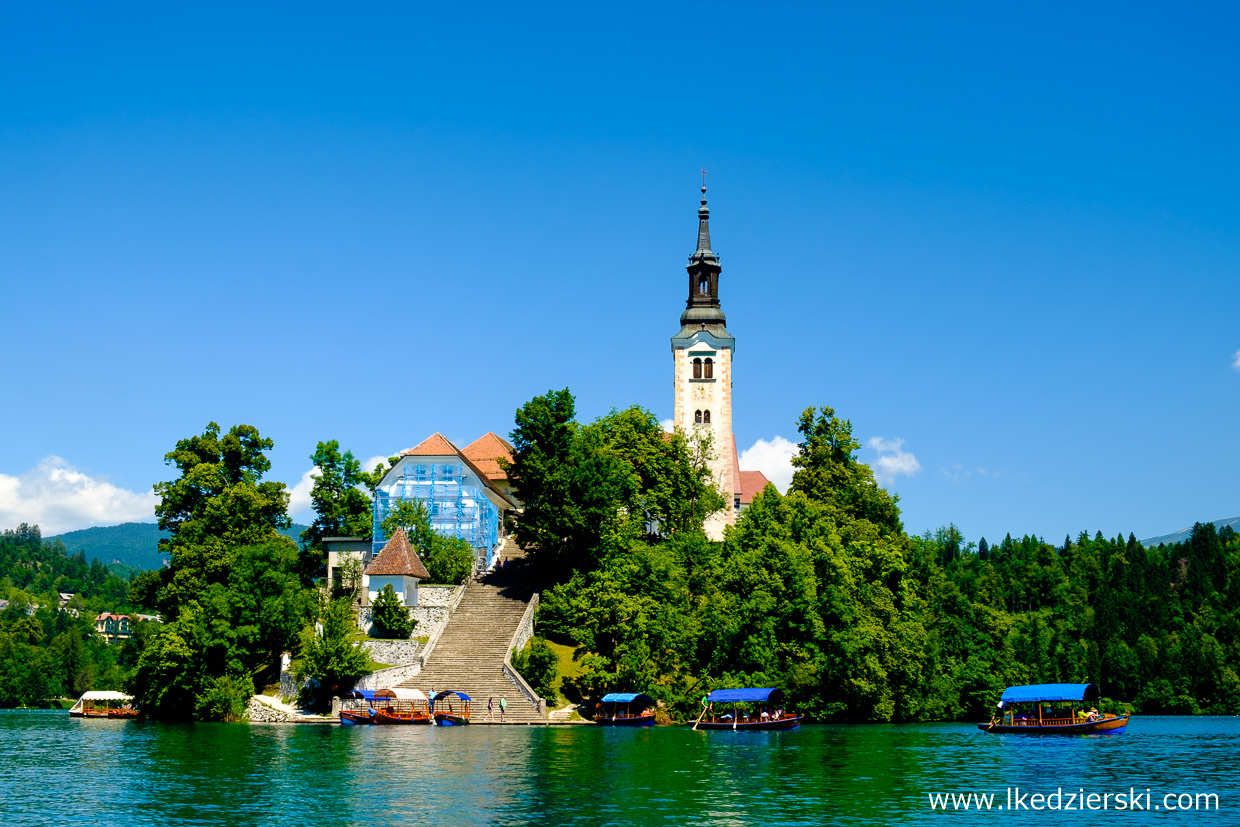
{"x": 373, "y": 463}
{"x": 773, "y": 459}
{"x": 1235, "y": 362}
{"x": 892, "y": 461}
{"x": 299, "y": 495}
{"x": 668, "y": 425}
{"x": 58, "y": 498}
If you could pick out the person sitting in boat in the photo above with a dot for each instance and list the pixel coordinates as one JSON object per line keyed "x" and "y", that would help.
{"x": 1093, "y": 714}
{"x": 727, "y": 716}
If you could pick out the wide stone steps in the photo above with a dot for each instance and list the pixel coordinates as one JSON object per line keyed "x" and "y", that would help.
{"x": 469, "y": 655}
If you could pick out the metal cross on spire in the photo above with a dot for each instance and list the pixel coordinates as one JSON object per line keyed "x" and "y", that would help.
{"x": 703, "y": 179}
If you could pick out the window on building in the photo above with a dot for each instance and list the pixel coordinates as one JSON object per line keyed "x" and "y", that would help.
{"x": 705, "y": 417}
{"x": 708, "y": 369}
{"x": 704, "y": 286}
{"x": 697, "y": 368}
{"x": 697, "y": 417}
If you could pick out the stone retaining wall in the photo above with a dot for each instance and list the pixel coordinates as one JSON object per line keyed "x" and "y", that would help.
{"x": 435, "y": 603}
{"x": 388, "y": 678}
{"x": 393, "y": 652}
{"x": 260, "y": 713}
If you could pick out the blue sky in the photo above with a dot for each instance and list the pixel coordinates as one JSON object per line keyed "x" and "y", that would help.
{"x": 1002, "y": 242}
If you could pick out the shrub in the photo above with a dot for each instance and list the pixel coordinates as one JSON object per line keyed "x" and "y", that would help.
{"x": 226, "y": 698}
{"x": 538, "y": 664}
{"x": 391, "y": 616}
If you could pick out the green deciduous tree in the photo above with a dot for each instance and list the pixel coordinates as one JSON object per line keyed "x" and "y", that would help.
{"x": 588, "y": 491}
{"x": 331, "y": 658}
{"x": 342, "y": 508}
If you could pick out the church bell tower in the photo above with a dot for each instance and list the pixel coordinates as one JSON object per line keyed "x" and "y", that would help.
{"x": 702, "y": 353}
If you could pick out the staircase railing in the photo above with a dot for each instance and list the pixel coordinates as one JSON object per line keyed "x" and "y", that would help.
{"x": 525, "y": 630}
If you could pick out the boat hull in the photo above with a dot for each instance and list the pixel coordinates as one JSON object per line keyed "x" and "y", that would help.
{"x": 401, "y": 718}
{"x": 349, "y": 717}
{"x": 449, "y": 719}
{"x": 115, "y": 713}
{"x": 738, "y": 726}
{"x": 633, "y": 720}
{"x": 1114, "y": 725}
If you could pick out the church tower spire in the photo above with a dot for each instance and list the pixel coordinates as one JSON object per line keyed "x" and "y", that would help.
{"x": 702, "y": 354}
{"x": 702, "y": 306}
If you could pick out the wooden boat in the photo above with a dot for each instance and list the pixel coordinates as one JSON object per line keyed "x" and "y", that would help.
{"x": 400, "y": 706}
{"x": 625, "y": 709}
{"x": 741, "y": 714}
{"x": 1051, "y": 709}
{"x": 444, "y": 710}
{"x": 103, "y": 704}
{"x": 358, "y": 707}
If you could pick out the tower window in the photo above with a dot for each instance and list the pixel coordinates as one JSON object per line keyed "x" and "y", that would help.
{"x": 704, "y": 286}
{"x": 697, "y": 417}
{"x": 708, "y": 369}
{"x": 705, "y": 417}
{"x": 697, "y": 368}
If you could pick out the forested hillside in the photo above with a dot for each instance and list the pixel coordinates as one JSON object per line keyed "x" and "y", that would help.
{"x": 822, "y": 592}
{"x": 46, "y": 652}
{"x": 133, "y": 544}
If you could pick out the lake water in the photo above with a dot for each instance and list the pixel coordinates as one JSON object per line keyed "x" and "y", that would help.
{"x": 57, "y": 770}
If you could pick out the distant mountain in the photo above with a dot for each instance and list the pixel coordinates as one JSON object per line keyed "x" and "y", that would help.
{"x": 1183, "y": 534}
{"x": 131, "y": 544}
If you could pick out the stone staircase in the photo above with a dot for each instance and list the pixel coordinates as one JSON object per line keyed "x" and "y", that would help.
{"x": 469, "y": 656}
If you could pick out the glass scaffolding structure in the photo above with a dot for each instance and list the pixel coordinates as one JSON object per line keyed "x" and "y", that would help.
{"x": 456, "y": 508}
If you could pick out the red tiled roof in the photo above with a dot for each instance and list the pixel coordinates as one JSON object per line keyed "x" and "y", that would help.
{"x": 434, "y": 445}
{"x": 485, "y": 453}
{"x": 399, "y": 557}
{"x": 752, "y": 482}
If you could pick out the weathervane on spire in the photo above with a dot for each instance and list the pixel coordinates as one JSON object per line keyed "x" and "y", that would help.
{"x": 703, "y": 184}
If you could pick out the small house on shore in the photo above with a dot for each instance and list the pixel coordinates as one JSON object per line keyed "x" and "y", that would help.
{"x": 398, "y": 566}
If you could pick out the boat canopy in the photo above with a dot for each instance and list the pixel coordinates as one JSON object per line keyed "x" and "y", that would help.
{"x": 364, "y": 694}
{"x": 104, "y": 695}
{"x": 628, "y": 698}
{"x": 1049, "y": 692}
{"x": 401, "y": 693}
{"x": 439, "y": 696}
{"x": 747, "y": 695}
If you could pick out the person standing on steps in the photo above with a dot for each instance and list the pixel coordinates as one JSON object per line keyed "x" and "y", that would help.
{"x": 491, "y": 709}
{"x": 503, "y": 707}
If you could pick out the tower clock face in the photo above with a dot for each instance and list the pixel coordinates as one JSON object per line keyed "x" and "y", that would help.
{"x": 701, "y": 391}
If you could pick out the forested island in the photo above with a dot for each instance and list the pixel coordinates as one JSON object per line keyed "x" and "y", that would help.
{"x": 820, "y": 591}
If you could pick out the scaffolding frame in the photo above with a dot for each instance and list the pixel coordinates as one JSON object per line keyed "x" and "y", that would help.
{"x": 456, "y": 509}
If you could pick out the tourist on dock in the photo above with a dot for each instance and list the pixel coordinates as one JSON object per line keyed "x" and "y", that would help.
{"x": 503, "y": 707}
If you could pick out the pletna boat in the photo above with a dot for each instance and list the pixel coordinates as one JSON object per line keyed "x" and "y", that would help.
{"x": 625, "y": 709}
{"x": 401, "y": 706}
{"x": 746, "y": 709}
{"x": 1052, "y": 709}
{"x": 358, "y": 707}
{"x": 447, "y": 712}
{"x": 104, "y": 704}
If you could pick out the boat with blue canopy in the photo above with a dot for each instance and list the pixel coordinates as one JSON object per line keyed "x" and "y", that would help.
{"x": 1052, "y": 709}
{"x": 625, "y": 709}
{"x": 357, "y": 707}
{"x": 747, "y": 708}
{"x": 445, "y": 711}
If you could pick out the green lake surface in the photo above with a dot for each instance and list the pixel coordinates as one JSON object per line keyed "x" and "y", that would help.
{"x": 62, "y": 771}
